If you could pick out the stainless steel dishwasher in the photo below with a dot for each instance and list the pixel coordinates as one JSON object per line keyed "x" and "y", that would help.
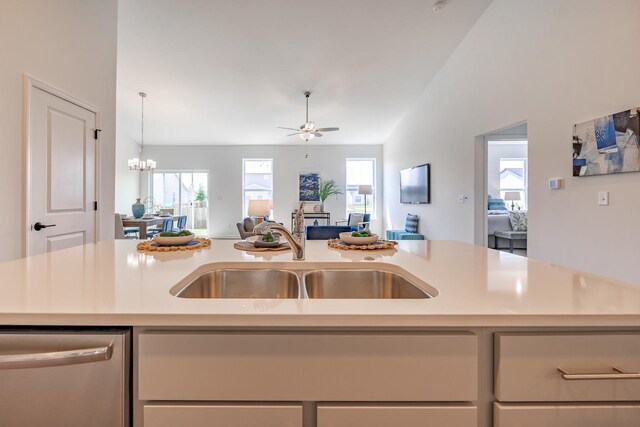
{"x": 64, "y": 378}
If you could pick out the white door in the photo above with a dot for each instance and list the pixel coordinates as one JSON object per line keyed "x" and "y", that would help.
{"x": 61, "y": 172}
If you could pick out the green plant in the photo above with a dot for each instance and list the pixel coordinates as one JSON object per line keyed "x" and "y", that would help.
{"x": 328, "y": 188}
{"x": 201, "y": 195}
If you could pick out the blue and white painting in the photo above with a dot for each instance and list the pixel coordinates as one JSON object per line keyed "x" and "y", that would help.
{"x": 309, "y": 187}
{"x": 608, "y": 144}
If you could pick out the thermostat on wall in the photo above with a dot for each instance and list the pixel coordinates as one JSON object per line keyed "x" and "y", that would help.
{"x": 556, "y": 183}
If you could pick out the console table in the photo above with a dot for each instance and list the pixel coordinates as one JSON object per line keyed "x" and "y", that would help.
{"x": 313, "y": 215}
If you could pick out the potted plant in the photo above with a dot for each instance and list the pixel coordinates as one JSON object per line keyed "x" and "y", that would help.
{"x": 328, "y": 187}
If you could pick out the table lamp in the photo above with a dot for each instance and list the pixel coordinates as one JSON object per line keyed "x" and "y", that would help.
{"x": 512, "y": 196}
{"x": 259, "y": 208}
{"x": 365, "y": 189}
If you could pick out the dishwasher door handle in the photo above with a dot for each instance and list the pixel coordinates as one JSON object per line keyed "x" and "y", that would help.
{"x": 55, "y": 358}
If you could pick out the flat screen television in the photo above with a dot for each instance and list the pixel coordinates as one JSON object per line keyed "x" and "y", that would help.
{"x": 414, "y": 184}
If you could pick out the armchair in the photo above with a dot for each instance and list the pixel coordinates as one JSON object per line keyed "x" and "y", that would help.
{"x": 356, "y": 220}
{"x": 246, "y": 226}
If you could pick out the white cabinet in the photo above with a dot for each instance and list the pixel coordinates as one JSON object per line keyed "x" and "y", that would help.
{"x": 418, "y": 415}
{"x": 565, "y": 415}
{"x": 194, "y": 379}
{"x": 229, "y": 415}
{"x": 542, "y": 378}
{"x": 308, "y": 366}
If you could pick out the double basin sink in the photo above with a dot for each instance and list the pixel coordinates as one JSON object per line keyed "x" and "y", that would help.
{"x": 302, "y": 284}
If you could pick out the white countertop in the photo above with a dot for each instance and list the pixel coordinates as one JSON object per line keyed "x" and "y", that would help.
{"x": 111, "y": 283}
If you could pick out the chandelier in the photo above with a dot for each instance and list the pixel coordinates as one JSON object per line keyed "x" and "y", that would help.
{"x": 138, "y": 163}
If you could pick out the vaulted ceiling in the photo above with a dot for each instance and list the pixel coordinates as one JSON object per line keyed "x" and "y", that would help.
{"x": 231, "y": 71}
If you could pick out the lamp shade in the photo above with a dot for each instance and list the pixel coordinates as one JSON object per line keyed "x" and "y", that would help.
{"x": 365, "y": 189}
{"x": 512, "y": 195}
{"x": 259, "y": 207}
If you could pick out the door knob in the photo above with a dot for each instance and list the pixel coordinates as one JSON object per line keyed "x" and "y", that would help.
{"x": 39, "y": 226}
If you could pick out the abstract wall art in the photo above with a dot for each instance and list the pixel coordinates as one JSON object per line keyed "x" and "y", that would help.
{"x": 309, "y": 187}
{"x": 609, "y": 144}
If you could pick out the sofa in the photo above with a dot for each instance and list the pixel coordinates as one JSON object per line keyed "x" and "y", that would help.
{"x": 501, "y": 221}
{"x": 326, "y": 232}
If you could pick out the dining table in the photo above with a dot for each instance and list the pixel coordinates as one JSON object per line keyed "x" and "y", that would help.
{"x": 143, "y": 224}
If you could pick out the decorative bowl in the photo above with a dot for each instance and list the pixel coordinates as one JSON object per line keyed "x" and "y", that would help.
{"x": 173, "y": 241}
{"x": 347, "y": 238}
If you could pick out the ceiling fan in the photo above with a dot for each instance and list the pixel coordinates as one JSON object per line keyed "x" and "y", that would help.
{"x": 308, "y": 130}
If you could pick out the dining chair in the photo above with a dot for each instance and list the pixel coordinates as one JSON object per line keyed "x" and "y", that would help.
{"x": 182, "y": 223}
{"x": 120, "y": 230}
{"x": 130, "y": 232}
{"x": 167, "y": 225}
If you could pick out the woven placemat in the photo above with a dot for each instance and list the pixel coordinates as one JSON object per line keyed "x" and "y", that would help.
{"x": 380, "y": 244}
{"x": 248, "y": 246}
{"x": 151, "y": 246}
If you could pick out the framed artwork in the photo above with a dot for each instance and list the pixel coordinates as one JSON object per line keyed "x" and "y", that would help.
{"x": 607, "y": 144}
{"x": 309, "y": 187}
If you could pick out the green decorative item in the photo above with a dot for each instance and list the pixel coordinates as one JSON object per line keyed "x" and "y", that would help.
{"x": 201, "y": 195}
{"x": 327, "y": 188}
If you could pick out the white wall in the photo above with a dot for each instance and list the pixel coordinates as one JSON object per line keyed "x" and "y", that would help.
{"x": 224, "y": 164}
{"x": 551, "y": 63}
{"x": 70, "y": 45}
{"x": 127, "y": 181}
{"x": 495, "y": 152}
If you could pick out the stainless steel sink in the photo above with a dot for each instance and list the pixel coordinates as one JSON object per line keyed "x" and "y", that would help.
{"x": 360, "y": 284}
{"x": 239, "y": 283}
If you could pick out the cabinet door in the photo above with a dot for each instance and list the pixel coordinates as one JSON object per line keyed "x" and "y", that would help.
{"x": 222, "y": 415}
{"x": 408, "y": 367}
{"x": 528, "y": 367}
{"x": 336, "y": 415}
{"x": 511, "y": 415}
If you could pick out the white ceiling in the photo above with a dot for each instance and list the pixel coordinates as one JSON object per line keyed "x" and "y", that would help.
{"x": 230, "y": 72}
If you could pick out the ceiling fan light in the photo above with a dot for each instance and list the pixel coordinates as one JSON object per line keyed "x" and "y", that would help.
{"x": 309, "y": 126}
{"x": 306, "y": 136}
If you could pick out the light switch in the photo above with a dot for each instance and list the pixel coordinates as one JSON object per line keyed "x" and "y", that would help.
{"x": 603, "y": 198}
{"x": 461, "y": 198}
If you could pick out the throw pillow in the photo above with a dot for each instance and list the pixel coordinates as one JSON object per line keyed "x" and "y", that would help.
{"x": 496, "y": 204}
{"x": 518, "y": 220}
{"x": 249, "y": 224}
{"x": 354, "y": 219}
{"x": 412, "y": 223}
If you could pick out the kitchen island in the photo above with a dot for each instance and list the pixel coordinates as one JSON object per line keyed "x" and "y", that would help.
{"x": 484, "y": 351}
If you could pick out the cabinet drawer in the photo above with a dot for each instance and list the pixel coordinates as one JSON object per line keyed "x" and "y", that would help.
{"x": 307, "y": 367}
{"x": 527, "y": 367}
{"x": 394, "y": 416}
{"x": 509, "y": 415}
{"x": 222, "y": 415}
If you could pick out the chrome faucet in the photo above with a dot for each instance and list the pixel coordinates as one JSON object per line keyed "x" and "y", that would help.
{"x": 296, "y": 239}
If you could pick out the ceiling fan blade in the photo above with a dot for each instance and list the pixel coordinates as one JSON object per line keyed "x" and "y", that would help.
{"x": 280, "y": 127}
{"x": 316, "y": 134}
{"x": 297, "y": 133}
{"x": 327, "y": 129}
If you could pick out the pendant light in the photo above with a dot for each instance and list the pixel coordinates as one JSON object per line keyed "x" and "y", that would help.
{"x": 138, "y": 163}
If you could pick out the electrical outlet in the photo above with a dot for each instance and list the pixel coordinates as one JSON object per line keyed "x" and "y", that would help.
{"x": 603, "y": 198}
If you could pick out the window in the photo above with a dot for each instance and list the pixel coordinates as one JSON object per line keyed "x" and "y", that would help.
{"x": 257, "y": 182}
{"x": 184, "y": 192}
{"x": 360, "y": 172}
{"x": 513, "y": 178}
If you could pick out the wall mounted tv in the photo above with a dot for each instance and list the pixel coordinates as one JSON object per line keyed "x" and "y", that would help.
{"x": 414, "y": 185}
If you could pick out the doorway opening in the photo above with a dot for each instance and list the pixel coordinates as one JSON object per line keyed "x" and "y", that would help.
{"x": 185, "y": 192}
{"x": 505, "y": 193}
